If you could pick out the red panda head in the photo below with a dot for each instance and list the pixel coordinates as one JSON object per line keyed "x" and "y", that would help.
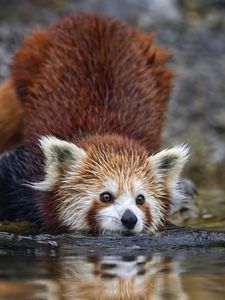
{"x": 109, "y": 184}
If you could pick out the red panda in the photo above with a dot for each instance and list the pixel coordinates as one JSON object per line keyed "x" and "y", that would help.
{"x": 94, "y": 93}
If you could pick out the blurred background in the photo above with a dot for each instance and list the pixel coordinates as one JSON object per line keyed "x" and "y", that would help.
{"x": 193, "y": 31}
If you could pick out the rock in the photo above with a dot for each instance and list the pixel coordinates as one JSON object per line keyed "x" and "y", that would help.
{"x": 171, "y": 239}
{"x": 186, "y": 207}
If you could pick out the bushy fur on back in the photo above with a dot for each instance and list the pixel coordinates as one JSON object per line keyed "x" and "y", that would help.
{"x": 91, "y": 73}
{"x": 94, "y": 93}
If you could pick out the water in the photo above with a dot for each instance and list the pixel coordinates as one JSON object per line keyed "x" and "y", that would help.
{"x": 184, "y": 275}
{"x": 212, "y": 210}
{"x": 45, "y": 267}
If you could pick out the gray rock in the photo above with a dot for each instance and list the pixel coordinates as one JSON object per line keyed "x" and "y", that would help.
{"x": 169, "y": 240}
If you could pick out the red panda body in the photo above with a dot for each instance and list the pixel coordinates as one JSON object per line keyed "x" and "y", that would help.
{"x": 101, "y": 87}
{"x": 91, "y": 74}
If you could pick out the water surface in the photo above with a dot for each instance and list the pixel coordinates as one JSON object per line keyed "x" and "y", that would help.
{"x": 39, "y": 267}
{"x": 191, "y": 274}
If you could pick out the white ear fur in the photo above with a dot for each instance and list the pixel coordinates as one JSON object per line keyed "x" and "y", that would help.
{"x": 57, "y": 152}
{"x": 170, "y": 162}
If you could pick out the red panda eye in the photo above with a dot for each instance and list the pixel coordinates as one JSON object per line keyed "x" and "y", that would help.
{"x": 140, "y": 200}
{"x": 106, "y": 197}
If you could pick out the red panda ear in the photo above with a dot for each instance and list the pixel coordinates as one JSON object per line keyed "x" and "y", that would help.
{"x": 57, "y": 153}
{"x": 170, "y": 162}
{"x": 28, "y": 61}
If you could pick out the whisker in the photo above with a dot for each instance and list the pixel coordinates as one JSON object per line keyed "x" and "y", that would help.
{"x": 117, "y": 211}
{"x": 113, "y": 218}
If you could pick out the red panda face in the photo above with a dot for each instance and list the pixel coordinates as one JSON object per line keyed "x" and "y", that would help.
{"x": 125, "y": 204}
{"x": 128, "y": 200}
{"x": 110, "y": 184}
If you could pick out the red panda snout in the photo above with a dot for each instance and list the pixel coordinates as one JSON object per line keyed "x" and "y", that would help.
{"x": 129, "y": 219}
{"x": 109, "y": 184}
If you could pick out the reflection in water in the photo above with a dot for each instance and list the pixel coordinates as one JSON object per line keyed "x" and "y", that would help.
{"x": 154, "y": 277}
{"x": 108, "y": 278}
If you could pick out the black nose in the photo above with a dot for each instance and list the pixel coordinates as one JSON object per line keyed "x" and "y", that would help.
{"x": 129, "y": 219}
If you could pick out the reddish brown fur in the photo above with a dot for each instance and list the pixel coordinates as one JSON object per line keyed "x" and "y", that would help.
{"x": 123, "y": 156}
{"x": 91, "y": 76}
{"x": 107, "y": 157}
{"x": 109, "y": 77}
{"x": 48, "y": 207}
{"x": 128, "y": 158}
{"x": 11, "y": 115}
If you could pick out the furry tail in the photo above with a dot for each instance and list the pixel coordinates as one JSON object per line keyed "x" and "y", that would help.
{"x": 11, "y": 116}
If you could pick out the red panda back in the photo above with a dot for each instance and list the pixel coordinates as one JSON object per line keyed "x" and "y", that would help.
{"x": 91, "y": 74}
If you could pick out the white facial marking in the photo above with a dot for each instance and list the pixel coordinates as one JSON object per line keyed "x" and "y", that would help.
{"x": 74, "y": 210}
{"x": 138, "y": 186}
{"x": 111, "y": 186}
{"x": 110, "y": 217}
{"x": 154, "y": 205}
